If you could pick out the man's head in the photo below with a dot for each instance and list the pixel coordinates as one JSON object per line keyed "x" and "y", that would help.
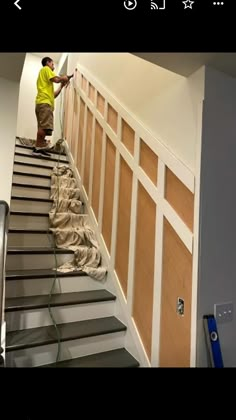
{"x": 47, "y": 61}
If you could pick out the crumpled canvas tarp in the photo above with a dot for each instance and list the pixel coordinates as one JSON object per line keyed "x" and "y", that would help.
{"x": 70, "y": 228}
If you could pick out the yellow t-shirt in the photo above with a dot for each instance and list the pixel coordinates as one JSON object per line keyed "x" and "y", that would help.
{"x": 45, "y": 87}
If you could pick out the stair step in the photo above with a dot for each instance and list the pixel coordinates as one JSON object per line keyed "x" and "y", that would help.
{"x": 24, "y": 258}
{"x": 33, "y": 220}
{"x": 61, "y": 299}
{"x": 18, "y": 237}
{"x": 24, "y": 204}
{"x": 31, "y": 190}
{"x": 39, "y": 274}
{"x": 22, "y": 197}
{"x": 33, "y": 179}
{"x": 39, "y": 282}
{"x": 32, "y": 166}
{"x": 44, "y": 158}
{"x": 119, "y": 358}
{"x": 34, "y": 337}
{"x": 29, "y": 231}
{"x": 22, "y": 146}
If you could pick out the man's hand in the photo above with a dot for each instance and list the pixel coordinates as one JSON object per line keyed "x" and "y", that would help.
{"x": 64, "y": 79}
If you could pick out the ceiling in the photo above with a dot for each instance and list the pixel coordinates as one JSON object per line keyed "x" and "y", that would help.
{"x": 187, "y": 63}
{"x": 11, "y": 65}
{"x": 55, "y": 56}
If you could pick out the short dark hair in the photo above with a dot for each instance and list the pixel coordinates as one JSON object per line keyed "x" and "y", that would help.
{"x": 45, "y": 60}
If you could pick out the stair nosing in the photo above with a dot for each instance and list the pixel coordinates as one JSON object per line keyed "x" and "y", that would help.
{"x": 39, "y": 250}
{"x": 133, "y": 362}
{"x": 77, "y": 300}
{"x": 53, "y": 340}
{"x": 37, "y": 274}
{"x": 43, "y": 200}
{"x": 28, "y": 213}
{"x": 30, "y": 231}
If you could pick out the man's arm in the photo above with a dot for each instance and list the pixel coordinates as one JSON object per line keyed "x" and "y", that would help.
{"x": 59, "y": 79}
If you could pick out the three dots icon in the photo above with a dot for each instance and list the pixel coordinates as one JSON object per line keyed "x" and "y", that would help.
{"x": 218, "y": 3}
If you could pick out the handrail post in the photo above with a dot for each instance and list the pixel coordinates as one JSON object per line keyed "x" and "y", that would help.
{"x": 4, "y": 210}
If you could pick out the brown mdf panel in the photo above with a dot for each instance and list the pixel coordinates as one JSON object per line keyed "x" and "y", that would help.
{"x": 180, "y": 198}
{"x": 176, "y": 283}
{"x": 127, "y": 137}
{"x": 74, "y": 125}
{"x": 88, "y": 142}
{"x": 91, "y": 94}
{"x": 112, "y": 118}
{"x": 84, "y": 84}
{"x": 144, "y": 267}
{"x": 148, "y": 161}
{"x": 97, "y": 168}
{"x": 123, "y": 224}
{"x": 108, "y": 192}
{"x": 100, "y": 103}
{"x": 80, "y": 136}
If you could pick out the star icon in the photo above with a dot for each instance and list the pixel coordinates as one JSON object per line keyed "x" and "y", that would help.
{"x": 188, "y": 4}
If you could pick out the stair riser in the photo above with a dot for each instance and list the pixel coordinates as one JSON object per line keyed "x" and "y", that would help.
{"x": 33, "y": 222}
{"x": 71, "y": 349}
{"x": 38, "y": 161}
{"x": 31, "y": 192}
{"x": 34, "y": 287}
{"x": 29, "y": 152}
{"x": 29, "y": 240}
{"x": 30, "y": 206}
{"x": 41, "y": 318}
{"x": 32, "y": 169}
{"x": 35, "y": 261}
{"x": 32, "y": 180}
{"x": 29, "y": 222}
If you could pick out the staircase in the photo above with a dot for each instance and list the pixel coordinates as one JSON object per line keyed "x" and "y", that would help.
{"x": 90, "y": 334}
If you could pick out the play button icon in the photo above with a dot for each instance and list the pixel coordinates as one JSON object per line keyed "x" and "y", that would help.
{"x": 130, "y": 4}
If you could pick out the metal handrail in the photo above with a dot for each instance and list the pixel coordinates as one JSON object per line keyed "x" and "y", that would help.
{"x": 4, "y": 210}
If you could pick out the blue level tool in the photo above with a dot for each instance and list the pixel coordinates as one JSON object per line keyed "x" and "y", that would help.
{"x": 213, "y": 342}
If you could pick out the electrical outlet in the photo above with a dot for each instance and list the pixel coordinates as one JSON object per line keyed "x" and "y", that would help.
{"x": 223, "y": 312}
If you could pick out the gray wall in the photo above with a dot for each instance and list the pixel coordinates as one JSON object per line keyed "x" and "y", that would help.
{"x": 217, "y": 252}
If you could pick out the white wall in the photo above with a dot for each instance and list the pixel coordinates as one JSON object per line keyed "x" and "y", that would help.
{"x": 26, "y": 121}
{"x": 217, "y": 266}
{"x": 9, "y": 92}
{"x": 162, "y": 101}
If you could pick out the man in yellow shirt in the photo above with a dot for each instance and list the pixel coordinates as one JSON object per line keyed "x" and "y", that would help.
{"x": 45, "y": 103}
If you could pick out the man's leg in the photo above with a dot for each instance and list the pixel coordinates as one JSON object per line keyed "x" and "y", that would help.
{"x": 40, "y": 140}
{"x": 44, "y": 114}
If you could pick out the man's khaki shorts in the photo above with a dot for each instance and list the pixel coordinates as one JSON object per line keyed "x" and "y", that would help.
{"x": 44, "y": 114}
